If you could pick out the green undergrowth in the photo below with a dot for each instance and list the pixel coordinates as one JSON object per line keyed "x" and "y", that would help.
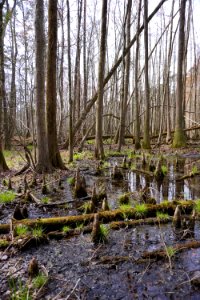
{"x": 162, "y": 216}
{"x": 39, "y": 281}
{"x": 21, "y": 230}
{"x": 7, "y": 197}
{"x": 37, "y": 232}
{"x": 13, "y": 159}
{"x": 141, "y": 210}
{"x": 45, "y": 200}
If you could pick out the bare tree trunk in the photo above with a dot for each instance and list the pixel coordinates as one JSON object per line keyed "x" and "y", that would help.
{"x": 43, "y": 162}
{"x": 125, "y": 77}
{"x": 99, "y": 151}
{"x": 137, "y": 120}
{"x": 3, "y": 165}
{"x": 69, "y": 86}
{"x": 146, "y": 141}
{"x": 179, "y": 135}
{"x": 51, "y": 95}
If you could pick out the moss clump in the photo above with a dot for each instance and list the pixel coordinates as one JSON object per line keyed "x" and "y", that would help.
{"x": 162, "y": 216}
{"x": 124, "y": 199}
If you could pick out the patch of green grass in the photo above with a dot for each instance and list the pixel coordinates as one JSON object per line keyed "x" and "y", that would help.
{"x": 87, "y": 207}
{"x": 45, "y": 200}
{"x": 39, "y": 281}
{"x": 103, "y": 234}
{"x": 7, "y": 197}
{"x": 71, "y": 180}
{"x": 82, "y": 155}
{"x": 197, "y": 206}
{"x": 19, "y": 291}
{"x": 170, "y": 251}
{"x": 21, "y": 230}
{"x": 90, "y": 142}
{"x": 37, "y": 232}
{"x": 162, "y": 216}
{"x": 164, "y": 169}
{"x": 125, "y": 206}
{"x": 141, "y": 210}
{"x": 165, "y": 202}
{"x": 66, "y": 229}
{"x": 79, "y": 226}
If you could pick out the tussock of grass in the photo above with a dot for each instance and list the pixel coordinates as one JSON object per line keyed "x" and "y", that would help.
{"x": 162, "y": 216}
{"x": 66, "y": 229}
{"x": 37, "y": 232}
{"x": 21, "y": 230}
{"x": 39, "y": 281}
{"x": 7, "y": 197}
{"x": 140, "y": 210}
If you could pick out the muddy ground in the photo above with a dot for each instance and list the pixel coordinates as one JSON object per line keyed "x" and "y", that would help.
{"x": 78, "y": 269}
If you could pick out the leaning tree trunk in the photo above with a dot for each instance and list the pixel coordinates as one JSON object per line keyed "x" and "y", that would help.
{"x": 51, "y": 95}
{"x": 179, "y": 135}
{"x": 3, "y": 165}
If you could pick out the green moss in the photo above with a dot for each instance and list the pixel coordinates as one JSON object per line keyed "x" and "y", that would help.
{"x": 197, "y": 206}
{"x": 3, "y": 243}
{"x": 164, "y": 169}
{"x": 7, "y": 197}
{"x": 124, "y": 199}
{"x": 179, "y": 139}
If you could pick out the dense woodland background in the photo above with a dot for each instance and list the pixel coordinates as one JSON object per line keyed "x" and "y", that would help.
{"x": 79, "y": 68}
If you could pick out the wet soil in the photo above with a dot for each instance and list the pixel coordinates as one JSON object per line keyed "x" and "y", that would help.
{"x": 80, "y": 270}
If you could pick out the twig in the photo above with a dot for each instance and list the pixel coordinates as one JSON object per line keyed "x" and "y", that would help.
{"x": 73, "y": 289}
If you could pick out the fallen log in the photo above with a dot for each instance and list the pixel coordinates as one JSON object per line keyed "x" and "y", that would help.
{"x": 162, "y": 253}
{"x": 56, "y": 223}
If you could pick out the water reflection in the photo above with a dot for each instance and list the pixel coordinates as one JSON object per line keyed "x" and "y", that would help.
{"x": 170, "y": 188}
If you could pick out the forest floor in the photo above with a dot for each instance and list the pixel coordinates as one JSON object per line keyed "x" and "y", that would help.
{"x": 149, "y": 258}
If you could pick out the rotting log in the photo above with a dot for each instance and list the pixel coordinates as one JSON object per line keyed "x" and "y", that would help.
{"x": 159, "y": 254}
{"x": 51, "y": 224}
{"x": 148, "y": 173}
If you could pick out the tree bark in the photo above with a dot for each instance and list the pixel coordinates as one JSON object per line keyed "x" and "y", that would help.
{"x": 51, "y": 94}
{"x": 179, "y": 136}
{"x": 3, "y": 165}
{"x": 99, "y": 151}
{"x": 43, "y": 162}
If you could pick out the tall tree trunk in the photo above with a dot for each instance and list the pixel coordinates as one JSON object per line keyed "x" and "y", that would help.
{"x": 126, "y": 75}
{"x": 43, "y": 162}
{"x": 137, "y": 120}
{"x": 3, "y": 165}
{"x": 146, "y": 141}
{"x": 51, "y": 94}
{"x": 69, "y": 86}
{"x": 179, "y": 135}
{"x": 99, "y": 151}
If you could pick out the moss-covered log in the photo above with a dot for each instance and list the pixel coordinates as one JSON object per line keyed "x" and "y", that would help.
{"x": 50, "y": 224}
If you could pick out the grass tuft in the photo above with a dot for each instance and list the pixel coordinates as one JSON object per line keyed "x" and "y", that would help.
{"x": 37, "y": 232}
{"x": 7, "y": 197}
{"x": 141, "y": 210}
{"x": 162, "y": 216}
{"x": 39, "y": 281}
{"x": 66, "y": 229}
{"x": 21, "y": 230}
